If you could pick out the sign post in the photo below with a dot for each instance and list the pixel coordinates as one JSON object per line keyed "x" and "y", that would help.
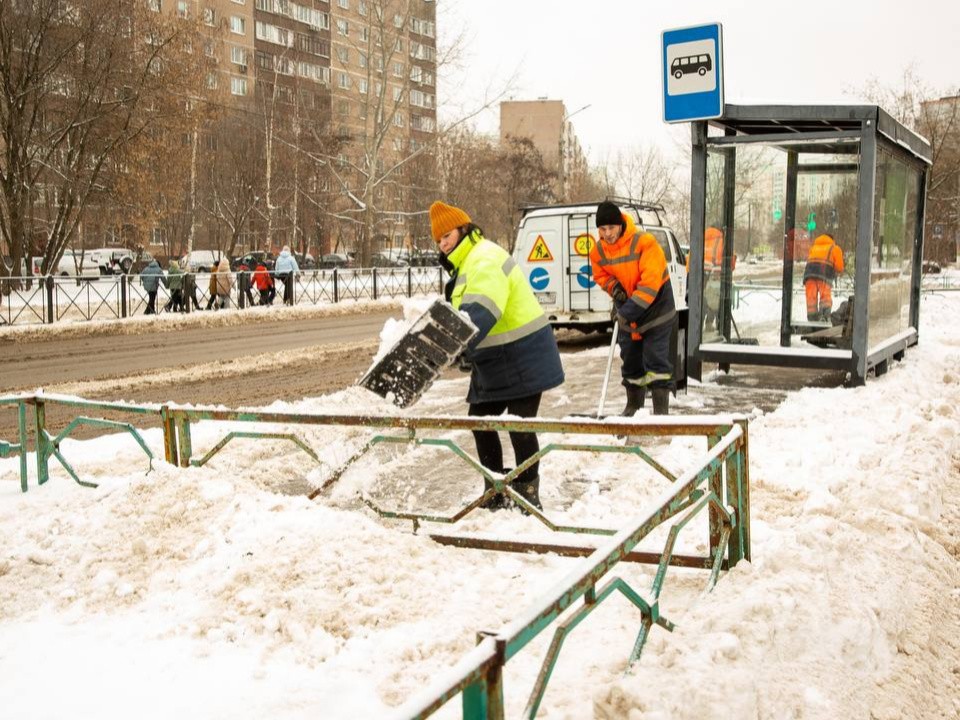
{"x": 692, "y": 73}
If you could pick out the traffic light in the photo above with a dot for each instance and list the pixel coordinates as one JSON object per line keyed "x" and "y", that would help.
{"x": 812, "y": 221}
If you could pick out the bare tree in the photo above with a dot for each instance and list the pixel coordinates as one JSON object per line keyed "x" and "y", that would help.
{"x": 79, "y": 87}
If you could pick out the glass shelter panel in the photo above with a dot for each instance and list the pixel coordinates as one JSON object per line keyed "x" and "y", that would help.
{"x": 894, "y": 232}
{"x": 766, "y": 206}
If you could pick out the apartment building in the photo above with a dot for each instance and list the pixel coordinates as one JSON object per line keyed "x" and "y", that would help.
{"x": 546, "y": 123}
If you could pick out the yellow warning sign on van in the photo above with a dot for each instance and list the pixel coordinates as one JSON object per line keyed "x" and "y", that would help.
{"x": 540, "y": 252}
{"x": 583, "y": 244}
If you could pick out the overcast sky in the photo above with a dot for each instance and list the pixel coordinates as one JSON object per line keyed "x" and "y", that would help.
{"x": 606, "y": 54}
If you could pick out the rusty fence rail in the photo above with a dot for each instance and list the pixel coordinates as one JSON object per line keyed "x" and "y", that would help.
{"x": 716, "y": 485}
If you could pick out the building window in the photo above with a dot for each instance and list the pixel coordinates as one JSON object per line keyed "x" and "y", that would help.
{"x": 343, "y": 55}
{"x": 398, "y": 21}
{"x": 154, "y": 5}
{"x": 238, "y": 86}
{"x": 238, "y": 25}
{"x": 398, "y": 119}
{"x": 363, "y": 86}
{"x": 345, "y": 4}
{"x": 211, "y": 81}
{"x": 182, "y": 10}
{"x": 264, "y": 60}
{"x": 343, "y": 107}
{"x": 343, "y": 80}
{"x": 397, "y": 94}
{"x": 240, "y": 2}
{"x": 362, "y": 7}
{"x": 238, "y": 55}
{"x": 209, "y": 16}
{"x": 398, "y": 69}
{"x": 343, "y": 27}
{"x": 362, "y": 59}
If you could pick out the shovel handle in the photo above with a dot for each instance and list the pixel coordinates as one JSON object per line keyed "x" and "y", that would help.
{"x": 606, "y": 375}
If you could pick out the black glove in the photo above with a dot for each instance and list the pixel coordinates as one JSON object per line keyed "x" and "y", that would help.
{"x": 463, "y": 365}
{"x": 618, "y": 294}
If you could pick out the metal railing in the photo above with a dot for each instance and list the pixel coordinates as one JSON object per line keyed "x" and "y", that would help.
{"x": 717, "y": 485}
{"x": 49, "y": 299}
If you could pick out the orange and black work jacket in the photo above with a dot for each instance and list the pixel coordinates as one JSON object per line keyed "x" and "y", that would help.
{"x": 825, "y": 260}
{"x": 637, "y": 262}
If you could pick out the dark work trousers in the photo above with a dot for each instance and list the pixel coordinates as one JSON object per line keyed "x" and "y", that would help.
{"x": 175, "y": 303}
{"x": 267, "y": 296}
{"x": 650, "y": 354}
{"x": 489, "y": 449}
{"x": 151, "y": 303}
{"x": 287, "y": 280}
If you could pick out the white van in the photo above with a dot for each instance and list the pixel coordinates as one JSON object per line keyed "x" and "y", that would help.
{"x": 71, "y": 265}
{"x": 202, "y": 261}
{"x": 553, "y": 251}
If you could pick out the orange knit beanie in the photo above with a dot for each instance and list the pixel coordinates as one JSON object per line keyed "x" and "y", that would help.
{"x": 444, "y": 218}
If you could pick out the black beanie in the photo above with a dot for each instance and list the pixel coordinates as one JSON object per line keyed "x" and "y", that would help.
{"x": 608, "y": 214}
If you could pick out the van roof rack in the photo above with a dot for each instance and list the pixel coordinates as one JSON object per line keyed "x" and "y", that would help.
{"x": 620, "y": 200}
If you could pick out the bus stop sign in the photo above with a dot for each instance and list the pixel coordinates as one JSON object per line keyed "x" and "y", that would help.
{"x": 692, "y": 73}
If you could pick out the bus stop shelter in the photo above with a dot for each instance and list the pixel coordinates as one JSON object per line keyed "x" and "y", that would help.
{"x": 768, "y": 183}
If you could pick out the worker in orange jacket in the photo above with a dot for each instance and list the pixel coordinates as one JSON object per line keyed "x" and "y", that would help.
{"x": 824, "y": 263}
{"x": 631, "y": 267}
{"x": 712, "y": 266}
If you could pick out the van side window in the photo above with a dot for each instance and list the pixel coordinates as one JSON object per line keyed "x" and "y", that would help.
{"x": 664, "y": 243}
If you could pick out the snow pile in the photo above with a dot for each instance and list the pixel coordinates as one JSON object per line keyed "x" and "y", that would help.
{"x": 210, "y": 592}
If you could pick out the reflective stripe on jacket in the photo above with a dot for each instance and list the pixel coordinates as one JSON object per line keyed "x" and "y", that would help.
{"x": 636, "y": 261}
{"x": 825, "y": 260}
{"x": 515, "y": 354}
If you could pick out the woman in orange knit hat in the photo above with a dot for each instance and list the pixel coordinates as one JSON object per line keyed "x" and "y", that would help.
{"x": 514, "y": 358}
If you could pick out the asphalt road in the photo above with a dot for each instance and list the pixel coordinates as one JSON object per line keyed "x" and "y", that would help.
{"x": 41, "y": 363}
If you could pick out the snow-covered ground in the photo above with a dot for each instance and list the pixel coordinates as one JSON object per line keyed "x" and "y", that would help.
{"x": 218, "y": 592}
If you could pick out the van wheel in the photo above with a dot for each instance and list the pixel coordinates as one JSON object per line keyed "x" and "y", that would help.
{"x": 702, "y": 71}
{"x": 678, "y": 74}
{"x": 203, "y": 269}
{"x": 64, "y": 274}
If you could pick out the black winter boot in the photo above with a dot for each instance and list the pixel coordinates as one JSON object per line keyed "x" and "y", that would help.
{"x": 635, "y": 398}
{"x": 661, "y": 401}
{"x": 530, "y": 489}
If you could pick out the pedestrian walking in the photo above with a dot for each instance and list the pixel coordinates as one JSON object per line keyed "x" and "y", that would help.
{"x": 514, "y": 358}
{"x": 150, "y": 279}
{"x": 243, "y": 280}
{"x": 174, "y": 283}
{"x": 263, "y": 281}
{"x": 190, "y": 292}
{"x": 286, "y": 270}
{"x": 212, "y": 288}
{"x": 224, "y": 284}
{"x": 631, "y": 267}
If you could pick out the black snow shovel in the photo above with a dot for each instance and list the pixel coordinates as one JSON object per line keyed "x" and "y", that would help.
{"x": 410, "y": 367}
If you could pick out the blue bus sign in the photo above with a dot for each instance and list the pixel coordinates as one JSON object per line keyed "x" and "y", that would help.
{"x": 692, "y": 73}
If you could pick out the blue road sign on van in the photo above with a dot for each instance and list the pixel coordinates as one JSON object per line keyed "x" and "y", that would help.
{"x": 692, "y": 73}
{"x": 539, "y": 278}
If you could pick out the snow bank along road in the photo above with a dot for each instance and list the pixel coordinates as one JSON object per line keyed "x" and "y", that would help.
{"x": 207, "y": 593}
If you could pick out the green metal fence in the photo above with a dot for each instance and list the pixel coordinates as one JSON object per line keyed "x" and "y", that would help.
{"x": 717, "y": 484}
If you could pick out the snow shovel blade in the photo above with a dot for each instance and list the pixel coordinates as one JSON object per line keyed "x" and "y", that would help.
{"x": 415, "y": 361}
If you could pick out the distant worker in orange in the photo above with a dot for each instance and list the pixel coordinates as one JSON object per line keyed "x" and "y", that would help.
{"x": 712, "y": 265}
{"x": 824, "y": 263}
{"x": 631, "y": 267}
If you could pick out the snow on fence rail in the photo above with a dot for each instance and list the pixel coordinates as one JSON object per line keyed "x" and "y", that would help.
{"x": 50, "y": 299}
{"x": 717, "y": 483}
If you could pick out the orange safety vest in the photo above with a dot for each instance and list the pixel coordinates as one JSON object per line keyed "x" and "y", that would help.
{"x": 825, "y": 260}
{"x": 636, "y": 261}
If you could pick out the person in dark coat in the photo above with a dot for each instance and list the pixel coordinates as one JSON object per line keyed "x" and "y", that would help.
{"x": 514, "y": 358}
{"x": 150, "y": 278}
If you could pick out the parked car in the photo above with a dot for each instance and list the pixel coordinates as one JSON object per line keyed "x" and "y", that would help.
{"x": 254, "y": 258}
{"x": 71, "y": 265}
{"x": 202, "y": 261}
{"x": 335, "y": 260}
{"x": 390, "y": 258}
{"x": 425, "y": 258}
{"x": 111, "y": 261}
{"x": 305, "y": 262}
